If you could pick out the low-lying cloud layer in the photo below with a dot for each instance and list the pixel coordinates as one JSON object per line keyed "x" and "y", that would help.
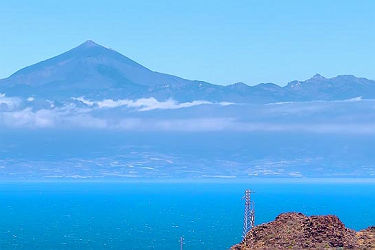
{"x": 345, "y": 117}
{"x": 142, "y": 104}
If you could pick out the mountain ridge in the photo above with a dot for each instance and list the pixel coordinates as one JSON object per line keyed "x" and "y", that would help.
{"x": 97, "y": 72}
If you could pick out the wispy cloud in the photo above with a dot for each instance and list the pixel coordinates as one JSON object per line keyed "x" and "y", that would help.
{"x": 9, "y": 103}
{"x": 50, "y": 118}
{"x": 355, "y": 99}
{"x": 143, "y": 104}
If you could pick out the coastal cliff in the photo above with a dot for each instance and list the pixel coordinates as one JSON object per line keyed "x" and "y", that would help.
{"x": 298, "y": 231}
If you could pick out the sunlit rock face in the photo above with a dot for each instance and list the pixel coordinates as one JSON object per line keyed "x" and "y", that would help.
{"x": 297, "y": 231}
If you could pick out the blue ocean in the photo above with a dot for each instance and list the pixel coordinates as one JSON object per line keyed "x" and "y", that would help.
{"x": 155, "y": 216}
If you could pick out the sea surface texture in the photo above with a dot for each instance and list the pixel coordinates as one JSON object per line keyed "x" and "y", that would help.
{"x": 155, "y": 216}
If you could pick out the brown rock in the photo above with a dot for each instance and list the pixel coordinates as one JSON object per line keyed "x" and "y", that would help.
{"x": 366, "y": 238}
{"x": 297, "y": 231}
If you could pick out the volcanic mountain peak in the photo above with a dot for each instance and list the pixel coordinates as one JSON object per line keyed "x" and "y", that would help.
{"x": 90, "y": 43}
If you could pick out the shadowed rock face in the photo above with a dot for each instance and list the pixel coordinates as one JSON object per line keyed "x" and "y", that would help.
{"x": 297, "y": 231}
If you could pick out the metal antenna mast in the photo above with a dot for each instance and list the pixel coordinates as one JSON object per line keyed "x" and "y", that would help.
{"x": 249, "y": 216}
{"x": 181, "y": 243}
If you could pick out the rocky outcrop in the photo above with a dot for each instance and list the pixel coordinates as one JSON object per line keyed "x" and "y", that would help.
{"x": 366, "y": 238}
{"x": 297, "y": 231}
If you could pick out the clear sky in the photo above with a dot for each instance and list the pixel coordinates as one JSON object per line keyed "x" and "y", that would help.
{"x": 220, "y": 42}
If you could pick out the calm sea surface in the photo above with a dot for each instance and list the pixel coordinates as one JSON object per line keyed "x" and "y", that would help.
{"x": 154, "y": 216}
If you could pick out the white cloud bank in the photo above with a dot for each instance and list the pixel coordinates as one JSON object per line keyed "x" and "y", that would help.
{"x": 143, "y": 104}
{"x": 80, "y": 118}
{"x": 96, "y": 115}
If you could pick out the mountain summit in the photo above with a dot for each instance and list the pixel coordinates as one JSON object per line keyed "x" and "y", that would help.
{"x": 90, "y": 43}
{"x": 94, "y": 71}
{"x": 318, "y": 77}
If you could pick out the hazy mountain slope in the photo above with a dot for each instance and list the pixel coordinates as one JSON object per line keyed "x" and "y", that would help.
{"x": 95, "y": 71}
{"x": 336, "y": 88}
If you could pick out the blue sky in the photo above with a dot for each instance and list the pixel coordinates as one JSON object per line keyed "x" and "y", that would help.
{"x": 217, "y": 41}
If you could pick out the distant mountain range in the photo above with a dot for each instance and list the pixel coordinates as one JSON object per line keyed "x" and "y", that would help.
{"x": 92, "y": 113}
{"x": 96, "y": 72}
